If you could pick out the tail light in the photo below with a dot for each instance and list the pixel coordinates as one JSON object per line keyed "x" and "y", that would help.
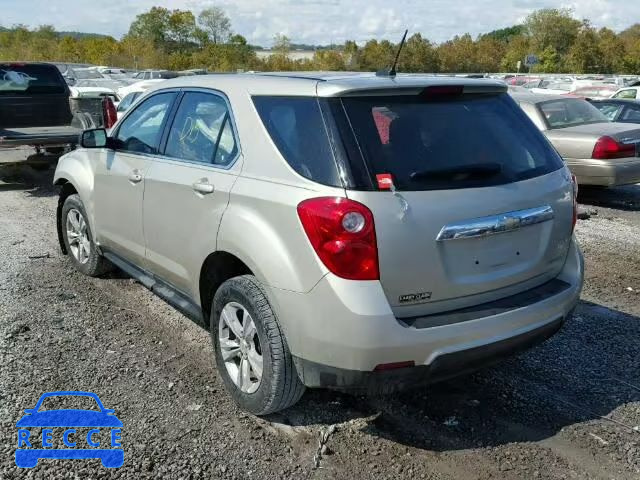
{"x": 109, "y": 112}
{"x": 607, "y": 148}
{"x": 574, "y": 183}
{"x": 343, "y": 235}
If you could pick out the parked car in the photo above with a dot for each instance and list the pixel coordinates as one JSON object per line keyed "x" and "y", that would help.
{"x": 628, "y": 93}
{"x": 154, "y": 75}
{"x": 358, "y": 232}
{"x": 595, "y": 91}
{"x": 36, "y": 110}
{"x": 137, "y": 87}
{"x": 618, "y": 110}
{"x": 598, "y": 151}
{"x": 132, "y": 96}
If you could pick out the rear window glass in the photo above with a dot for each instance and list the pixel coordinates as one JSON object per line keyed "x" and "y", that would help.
{"x": 461, "y": 142}
{"x": 570, "y": 112}
{"x": 296, "y": 127}
{"x": 30, "y": 79}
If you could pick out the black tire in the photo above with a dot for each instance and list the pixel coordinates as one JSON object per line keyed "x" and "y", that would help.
{"x": 280, "y": 386}
{"x": 96, "y": 264}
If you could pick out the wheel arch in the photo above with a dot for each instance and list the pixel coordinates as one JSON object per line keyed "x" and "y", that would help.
{"x": 67, "y": 189}
{"x": 216, "y": 269}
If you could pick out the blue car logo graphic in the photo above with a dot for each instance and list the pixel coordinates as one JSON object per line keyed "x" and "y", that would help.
{"x": 28, "y": 453}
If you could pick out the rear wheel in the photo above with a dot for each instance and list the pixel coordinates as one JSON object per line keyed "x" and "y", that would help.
{"x": 79, "y": 241}
{"x": 251, "y": 352}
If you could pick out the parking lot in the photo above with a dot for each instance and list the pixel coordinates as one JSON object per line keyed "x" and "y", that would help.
{"x": 570, "y": 408}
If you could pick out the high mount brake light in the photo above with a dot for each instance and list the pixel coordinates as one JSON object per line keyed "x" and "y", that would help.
{"x": 342, "y": 233}
{"x": 438, "y": 91}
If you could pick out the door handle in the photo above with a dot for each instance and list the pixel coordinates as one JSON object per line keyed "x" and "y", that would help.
{"x": 203, "y": 186}
{"x": 135, "y": 176}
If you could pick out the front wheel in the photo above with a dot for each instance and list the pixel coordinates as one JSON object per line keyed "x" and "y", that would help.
{"x": 251, "y": 351}
{"x": 78, "y": 239}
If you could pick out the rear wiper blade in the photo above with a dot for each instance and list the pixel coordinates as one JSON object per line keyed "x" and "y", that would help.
{"x": 478, "y": 170}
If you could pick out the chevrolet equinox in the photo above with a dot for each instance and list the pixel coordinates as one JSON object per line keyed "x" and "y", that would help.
{"x": 355, "y": 232}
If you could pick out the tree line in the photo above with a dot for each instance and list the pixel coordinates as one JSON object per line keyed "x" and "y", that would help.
{"x": 180, "y": 40}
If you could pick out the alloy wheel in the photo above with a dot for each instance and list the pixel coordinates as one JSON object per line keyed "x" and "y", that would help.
{"x": 240, "y": 347}
{"x": 78, "y": 236}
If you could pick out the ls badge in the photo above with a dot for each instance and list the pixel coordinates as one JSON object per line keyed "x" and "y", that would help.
{"x": 415, "y": 297}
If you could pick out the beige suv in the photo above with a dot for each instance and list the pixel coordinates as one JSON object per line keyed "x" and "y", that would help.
{"x": 356, "y": 232}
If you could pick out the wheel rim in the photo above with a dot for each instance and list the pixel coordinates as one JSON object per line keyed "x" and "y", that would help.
{"x": 78, "y": 236}
{"x": 240, "y": 347}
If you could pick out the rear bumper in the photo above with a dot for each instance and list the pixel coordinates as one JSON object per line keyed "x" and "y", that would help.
{"x": 443, "y": 367}
{"x": 608, "y": 173}
{"x": 340, "y": 331}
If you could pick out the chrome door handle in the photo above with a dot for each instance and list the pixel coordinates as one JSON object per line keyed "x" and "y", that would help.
{"x": 135, "y": 177}
{"x": 203, "y": 186}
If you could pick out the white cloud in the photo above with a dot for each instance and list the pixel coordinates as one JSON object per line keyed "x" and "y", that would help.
{"x": 321, "y": 21}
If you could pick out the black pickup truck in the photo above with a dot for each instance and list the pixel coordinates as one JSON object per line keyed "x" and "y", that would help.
{"x": 35, "y": 109}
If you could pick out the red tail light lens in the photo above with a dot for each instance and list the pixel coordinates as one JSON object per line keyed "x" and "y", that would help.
{"x": 607, "y": 148}
{"x": 343, "y": 235}
{"x": 109, "y": 112}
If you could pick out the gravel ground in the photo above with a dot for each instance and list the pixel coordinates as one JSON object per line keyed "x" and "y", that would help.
{"x": 567, "y": 409}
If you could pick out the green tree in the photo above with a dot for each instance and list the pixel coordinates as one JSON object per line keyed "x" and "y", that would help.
{"x": 182, "y": 26}
{"x": 584, "y": 55}
{"x": 458, "y": 55}
{"x": 281, "y": 44}
{"x": 552, "y": 27}
{"x": 505, "y": 34}
{"x": 215, "y": 22}
{"x": 613, "y": 51}
{"x": 153, "y": 25}
{"x": 516, "y": 51}
{"x": 328, "y": 60}
{"x": 376, "y": 55}
{"x": 418, "y": 55}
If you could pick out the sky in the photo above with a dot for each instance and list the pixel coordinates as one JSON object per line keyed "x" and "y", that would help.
{"x": 320, "y": 21}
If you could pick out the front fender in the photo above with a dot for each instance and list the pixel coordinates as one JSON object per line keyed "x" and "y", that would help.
{"x": 75, "y": 168}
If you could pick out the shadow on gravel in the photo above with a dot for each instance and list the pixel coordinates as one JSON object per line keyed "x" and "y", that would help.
{"x": 621, "y": 198}
{"x": 36, "y": 183}
{"x": 588, "y": 370}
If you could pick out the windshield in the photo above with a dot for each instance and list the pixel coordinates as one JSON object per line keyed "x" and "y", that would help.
{"x": 568, "y": 112}
{"x": 18, "y": 78}
{"x": 87, "y": 74}
{"x": 460, "y": 142}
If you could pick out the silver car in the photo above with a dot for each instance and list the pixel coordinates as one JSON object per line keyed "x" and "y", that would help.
{"x": 598, "y": 151}
{"x": 356, "y": 232}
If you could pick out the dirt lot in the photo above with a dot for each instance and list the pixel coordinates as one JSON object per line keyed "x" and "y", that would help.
{"x": 568, "y": 409}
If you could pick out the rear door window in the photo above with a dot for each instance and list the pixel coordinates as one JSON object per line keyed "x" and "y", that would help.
{"x": 457, "y": 142}
{"x": 631, "y": 114}
{"x": 629, "y": 93}
{"x": 19, "y": 78}
{"x": 609, "y": 110}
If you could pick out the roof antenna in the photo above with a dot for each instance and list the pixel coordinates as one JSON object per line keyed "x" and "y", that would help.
{"x": 391, "y": 72}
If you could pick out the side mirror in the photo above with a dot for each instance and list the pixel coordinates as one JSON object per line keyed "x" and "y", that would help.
{"x": 94, "y": 138}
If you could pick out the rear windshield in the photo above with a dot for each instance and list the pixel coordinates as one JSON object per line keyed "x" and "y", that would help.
{"x": 570, "y": 113}
{"x": 457, "y": 142}
{"x": 30, "y": 79}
